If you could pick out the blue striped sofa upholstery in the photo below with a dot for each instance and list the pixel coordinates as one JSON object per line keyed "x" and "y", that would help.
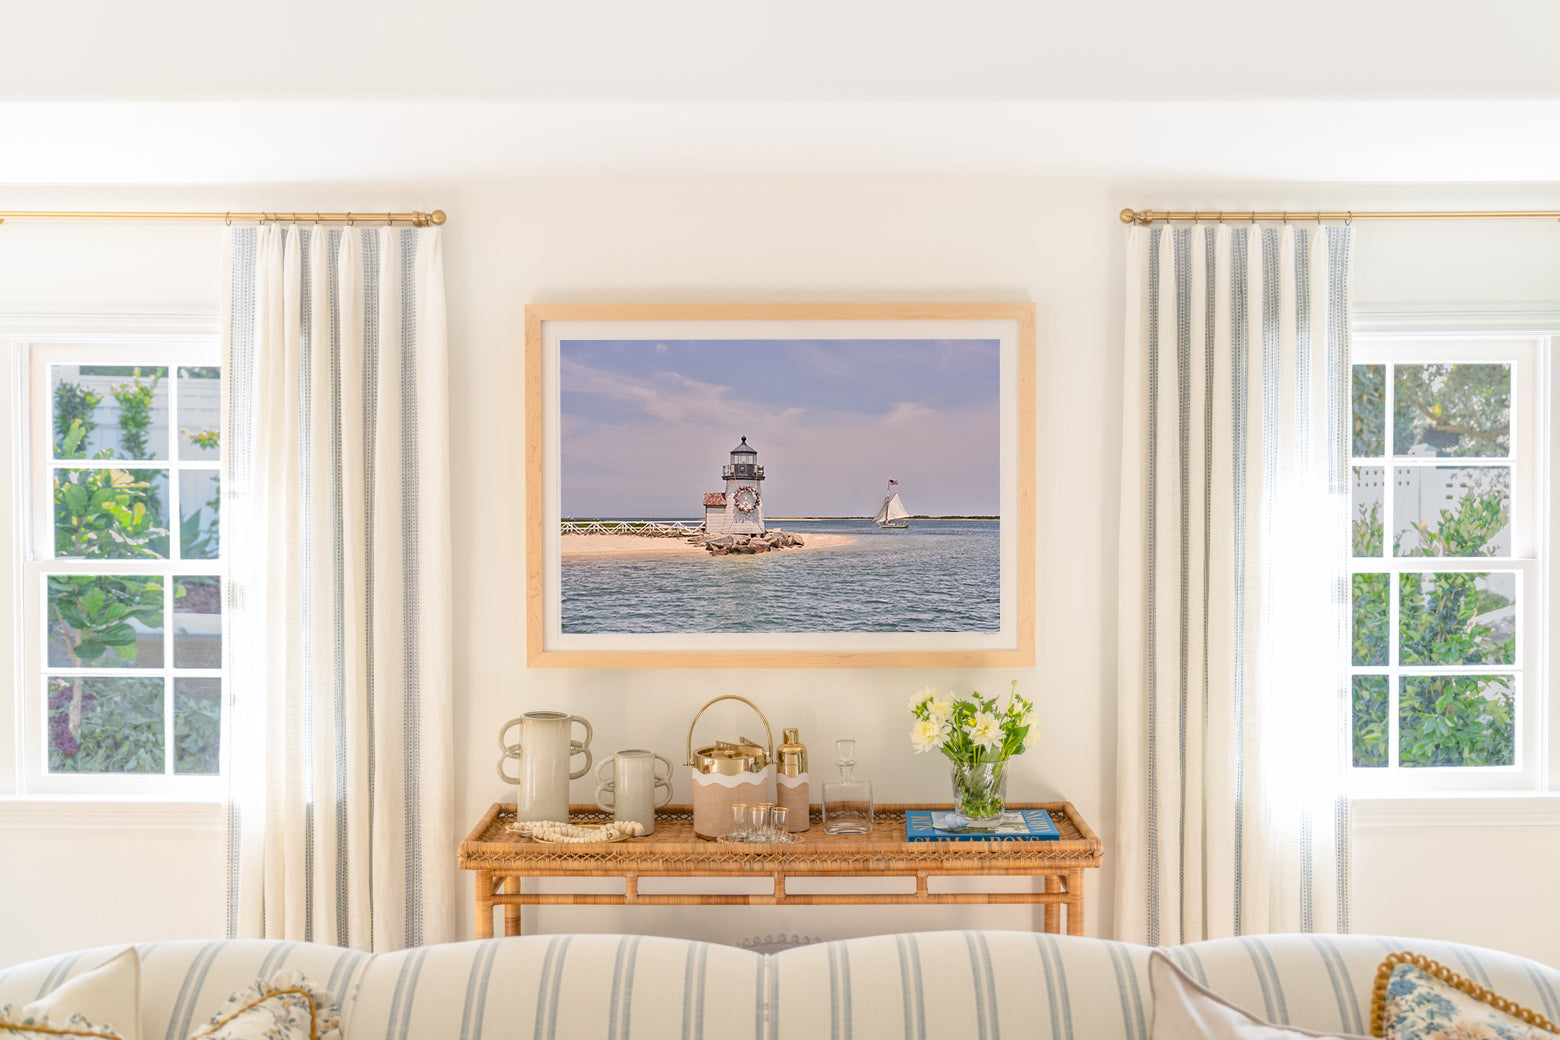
{"x": 917, "y": 986}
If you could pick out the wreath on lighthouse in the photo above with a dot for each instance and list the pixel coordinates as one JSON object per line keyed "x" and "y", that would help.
{"x": 746, "y": 499}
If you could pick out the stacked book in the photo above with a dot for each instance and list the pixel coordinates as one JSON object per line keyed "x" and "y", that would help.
{"x": 1013, "y": 825}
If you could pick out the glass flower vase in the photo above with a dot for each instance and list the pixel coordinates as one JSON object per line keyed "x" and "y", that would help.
{"x": 979, "y": 793}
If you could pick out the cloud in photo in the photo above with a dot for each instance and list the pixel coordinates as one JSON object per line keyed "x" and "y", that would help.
{"x": 648, "y": 424}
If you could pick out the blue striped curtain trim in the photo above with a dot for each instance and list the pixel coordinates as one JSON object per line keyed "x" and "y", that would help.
{"x": 411, "y": 575}
{"x": 1183, "y": 352}
{"x": 338, "y": 590}
{"x": 1240, "y": 412}
{"x": 237, "y": 386}
{"x": 370, "y": 244}
{"x": 305, "y": 436}
{"x": 1150, "y": 584}
{"x": 1340, "y": 356}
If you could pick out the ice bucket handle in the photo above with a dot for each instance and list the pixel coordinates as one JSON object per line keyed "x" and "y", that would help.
{"x": 730, "y": 697}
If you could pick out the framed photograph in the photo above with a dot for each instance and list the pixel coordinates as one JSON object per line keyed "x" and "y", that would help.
{"x": 799, "y": 485}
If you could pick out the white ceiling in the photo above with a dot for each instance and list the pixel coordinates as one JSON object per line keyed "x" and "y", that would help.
{"x": 184, "y": 91}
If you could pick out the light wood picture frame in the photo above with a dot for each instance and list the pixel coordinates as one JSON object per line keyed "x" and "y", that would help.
{"x": 629, "y": 409}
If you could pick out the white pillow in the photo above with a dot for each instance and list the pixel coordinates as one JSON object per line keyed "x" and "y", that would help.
{"x": 1183, "y": 1010}
{"x": 104, "y": 1001}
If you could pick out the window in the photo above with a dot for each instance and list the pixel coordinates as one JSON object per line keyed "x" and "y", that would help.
{"x": 1449, "y": 590}
{"x": 122, "y": 580}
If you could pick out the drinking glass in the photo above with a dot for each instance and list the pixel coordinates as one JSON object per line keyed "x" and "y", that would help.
{"x": 779, "y": 823}
{"x": 739, "y": 822}
{"x": 759, "y": 828}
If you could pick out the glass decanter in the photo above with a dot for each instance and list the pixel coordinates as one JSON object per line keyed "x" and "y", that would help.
{"x": 847, "y": 801}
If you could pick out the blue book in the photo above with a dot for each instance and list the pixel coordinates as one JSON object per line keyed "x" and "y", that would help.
{"x": 1014, "y": 825}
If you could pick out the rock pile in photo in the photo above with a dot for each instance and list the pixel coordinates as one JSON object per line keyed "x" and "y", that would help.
{"x": 747, "y": 544}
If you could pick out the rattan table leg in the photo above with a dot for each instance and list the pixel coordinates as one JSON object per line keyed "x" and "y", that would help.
{"x": 1053, "y": 911}
{"x": 1075, "y": 903}
{"x": 512, "y": 910}
{"x": 484, "y": 904}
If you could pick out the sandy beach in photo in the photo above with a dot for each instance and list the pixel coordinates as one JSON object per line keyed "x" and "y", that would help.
{"x": 638, "y": 545}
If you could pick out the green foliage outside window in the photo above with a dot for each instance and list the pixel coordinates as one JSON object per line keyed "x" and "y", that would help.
{"x": 101, "y": 724}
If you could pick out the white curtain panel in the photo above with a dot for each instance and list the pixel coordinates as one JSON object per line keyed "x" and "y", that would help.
{"x": 1233, "y": 710}
{"x": 336, "y": 518}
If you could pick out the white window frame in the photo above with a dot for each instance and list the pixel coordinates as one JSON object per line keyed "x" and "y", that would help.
{"x": 110, "y": 341}
{"x": 1528, "y": 347}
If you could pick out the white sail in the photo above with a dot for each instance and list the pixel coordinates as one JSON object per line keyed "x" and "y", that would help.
{"x": 893, "y": 509}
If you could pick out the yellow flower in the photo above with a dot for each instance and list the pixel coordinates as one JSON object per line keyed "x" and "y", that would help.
{"x": 940, "y": 710}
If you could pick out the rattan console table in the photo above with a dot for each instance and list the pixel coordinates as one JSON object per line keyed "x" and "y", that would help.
{"x": 500, "y": 859}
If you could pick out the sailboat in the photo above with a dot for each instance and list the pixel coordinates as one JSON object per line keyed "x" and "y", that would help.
{"x": 893, "y": 512}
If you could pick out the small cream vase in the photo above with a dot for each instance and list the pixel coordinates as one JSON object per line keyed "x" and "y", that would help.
{"x": 727, "y": 773}
{"x": 633, "y": 783}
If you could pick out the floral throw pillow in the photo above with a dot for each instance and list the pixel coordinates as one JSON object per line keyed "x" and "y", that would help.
{"x": 288, "y": 1007}
{"x": 15, "y": 1024}
{"x": 1417, "y": 999}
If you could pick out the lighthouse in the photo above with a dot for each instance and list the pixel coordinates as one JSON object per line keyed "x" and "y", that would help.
{"x": 740, "y": 508}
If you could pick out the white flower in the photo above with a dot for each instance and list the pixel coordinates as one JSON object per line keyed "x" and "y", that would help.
{"x": 940, "y": 710}
{"x": 926, "y": 735}
{"x": 921, "y": 696}
{"x": 985, "y": 731}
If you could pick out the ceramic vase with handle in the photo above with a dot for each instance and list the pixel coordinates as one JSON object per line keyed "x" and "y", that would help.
{"x": 630, "y": 786}
{"x": 542, "y": 753}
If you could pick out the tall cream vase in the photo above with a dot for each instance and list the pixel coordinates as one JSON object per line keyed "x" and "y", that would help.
{"x": 542, "y": 755}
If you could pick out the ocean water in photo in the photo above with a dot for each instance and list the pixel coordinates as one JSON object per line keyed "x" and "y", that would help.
{"x": 936, "y": 576}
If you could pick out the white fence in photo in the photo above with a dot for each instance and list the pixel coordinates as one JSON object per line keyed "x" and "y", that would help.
{"x": 651, "y": 528}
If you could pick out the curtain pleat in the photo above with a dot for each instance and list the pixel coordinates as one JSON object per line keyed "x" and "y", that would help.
{"x": 336, "y": 472}
{"x": 1232, "y": 713}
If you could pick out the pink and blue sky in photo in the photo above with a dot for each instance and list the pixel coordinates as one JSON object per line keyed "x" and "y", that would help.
{"x": 648, "y": 424}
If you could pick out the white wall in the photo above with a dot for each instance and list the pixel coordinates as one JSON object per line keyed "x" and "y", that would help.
{"x": 514, "y": 243}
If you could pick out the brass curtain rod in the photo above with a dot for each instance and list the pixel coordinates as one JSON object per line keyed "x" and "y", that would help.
{"x": 1144, "y": 217}
{"x": 414, "y": 218}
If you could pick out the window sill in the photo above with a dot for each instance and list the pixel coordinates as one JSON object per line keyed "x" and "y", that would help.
{"x": 102, "y": 814}
{"x": 1459, "y": 810}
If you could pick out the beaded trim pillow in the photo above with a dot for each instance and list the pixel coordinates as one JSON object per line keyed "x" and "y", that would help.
{"x": 1417, "y": 999}
{"x": 288, "y": 1007}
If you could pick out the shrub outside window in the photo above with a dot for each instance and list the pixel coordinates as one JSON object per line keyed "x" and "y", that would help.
{"x": 124, "y": 581}
{"x": 1447, "y": 590}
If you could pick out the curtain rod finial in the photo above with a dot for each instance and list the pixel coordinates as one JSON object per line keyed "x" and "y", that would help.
{"x": 1128, "y": 216}
{"x": 434, "y": 219}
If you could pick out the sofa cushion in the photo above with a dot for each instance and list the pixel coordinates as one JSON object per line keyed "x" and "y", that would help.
{"x": 564, "y": 986}
{"x": 1183, "y": 1010}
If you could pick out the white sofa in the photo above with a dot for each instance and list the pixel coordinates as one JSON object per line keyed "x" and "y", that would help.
{"x": 916, "y": 985}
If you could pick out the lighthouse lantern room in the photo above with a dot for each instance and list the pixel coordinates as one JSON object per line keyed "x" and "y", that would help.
{"x": 740, "y": 508}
